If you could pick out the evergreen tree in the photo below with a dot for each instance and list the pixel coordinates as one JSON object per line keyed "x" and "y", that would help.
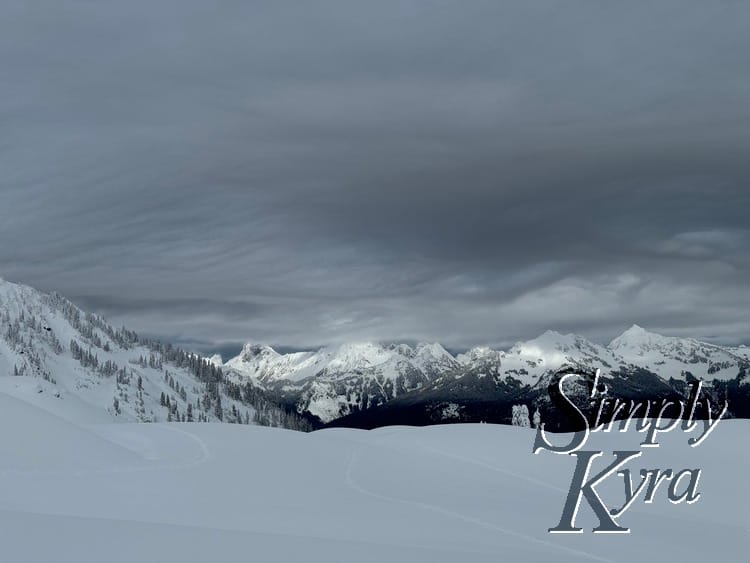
{"x": 218, "y": 411}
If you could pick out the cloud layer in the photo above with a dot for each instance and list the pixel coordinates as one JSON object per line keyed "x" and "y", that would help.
{"x": 212, "y": 172}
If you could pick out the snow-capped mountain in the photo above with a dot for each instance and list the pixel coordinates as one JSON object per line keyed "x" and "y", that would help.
{"x": 667, "y": 357}
{"x": 670, "y": 357}
{"x": 335, "y": 382}
{"x": 526, "y": 362}
{"x": 638, "y": 365}
{"x": 79, "y": 367}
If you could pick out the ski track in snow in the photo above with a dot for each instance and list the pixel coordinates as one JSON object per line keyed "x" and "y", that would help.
{"x": 204, "y": 457}
{"x": 205, "y": 450}
{"x": 352, "y": 483}
{"x": 485, "y": 465}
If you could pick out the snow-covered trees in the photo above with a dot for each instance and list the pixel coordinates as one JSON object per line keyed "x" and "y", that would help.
{"x": 193, "y": 388}
{"x": 520, "y": 416}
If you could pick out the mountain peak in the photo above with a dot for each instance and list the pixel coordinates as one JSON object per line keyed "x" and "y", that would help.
{"x": 7, "y": 286}
{"x": 549, "y": 340}
{"x": 479, "y": 355}
{"x": 351, "y": 354}
{"x": 634, "y": 336}
{"x": 252, "y": 349}
{"x": 434, "y": 349}
{"x": 549, "y": 333}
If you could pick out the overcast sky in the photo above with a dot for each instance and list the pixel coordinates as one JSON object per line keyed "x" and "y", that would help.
{"x": 303, "y": 173}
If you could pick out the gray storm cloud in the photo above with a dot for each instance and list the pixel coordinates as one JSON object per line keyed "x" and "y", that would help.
{"x": 306, "y": 173}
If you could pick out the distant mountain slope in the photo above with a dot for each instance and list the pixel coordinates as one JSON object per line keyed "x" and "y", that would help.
{"x": 670, "y": 356}
{"x": 335, "y": 381}
{"x": 77, "y": 366}
{"x": 365, "y": 384}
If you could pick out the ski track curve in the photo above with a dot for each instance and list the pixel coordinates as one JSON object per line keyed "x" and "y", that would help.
{"x": 204, "y": 457}
{"x": 494, "y": 468}
{"x": 352, "y": 483}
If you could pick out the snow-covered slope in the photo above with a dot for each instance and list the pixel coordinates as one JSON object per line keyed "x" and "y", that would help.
{"x": 191, "y": 493}
{"x": 77, "y": 366}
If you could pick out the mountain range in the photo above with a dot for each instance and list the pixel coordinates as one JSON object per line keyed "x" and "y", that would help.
{"x": 75, "y": 363}
{"x": 363, "y": 384}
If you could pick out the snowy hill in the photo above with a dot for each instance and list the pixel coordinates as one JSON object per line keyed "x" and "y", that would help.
{"x": 77, "y": 366}
{"x": 184, "y": 493}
